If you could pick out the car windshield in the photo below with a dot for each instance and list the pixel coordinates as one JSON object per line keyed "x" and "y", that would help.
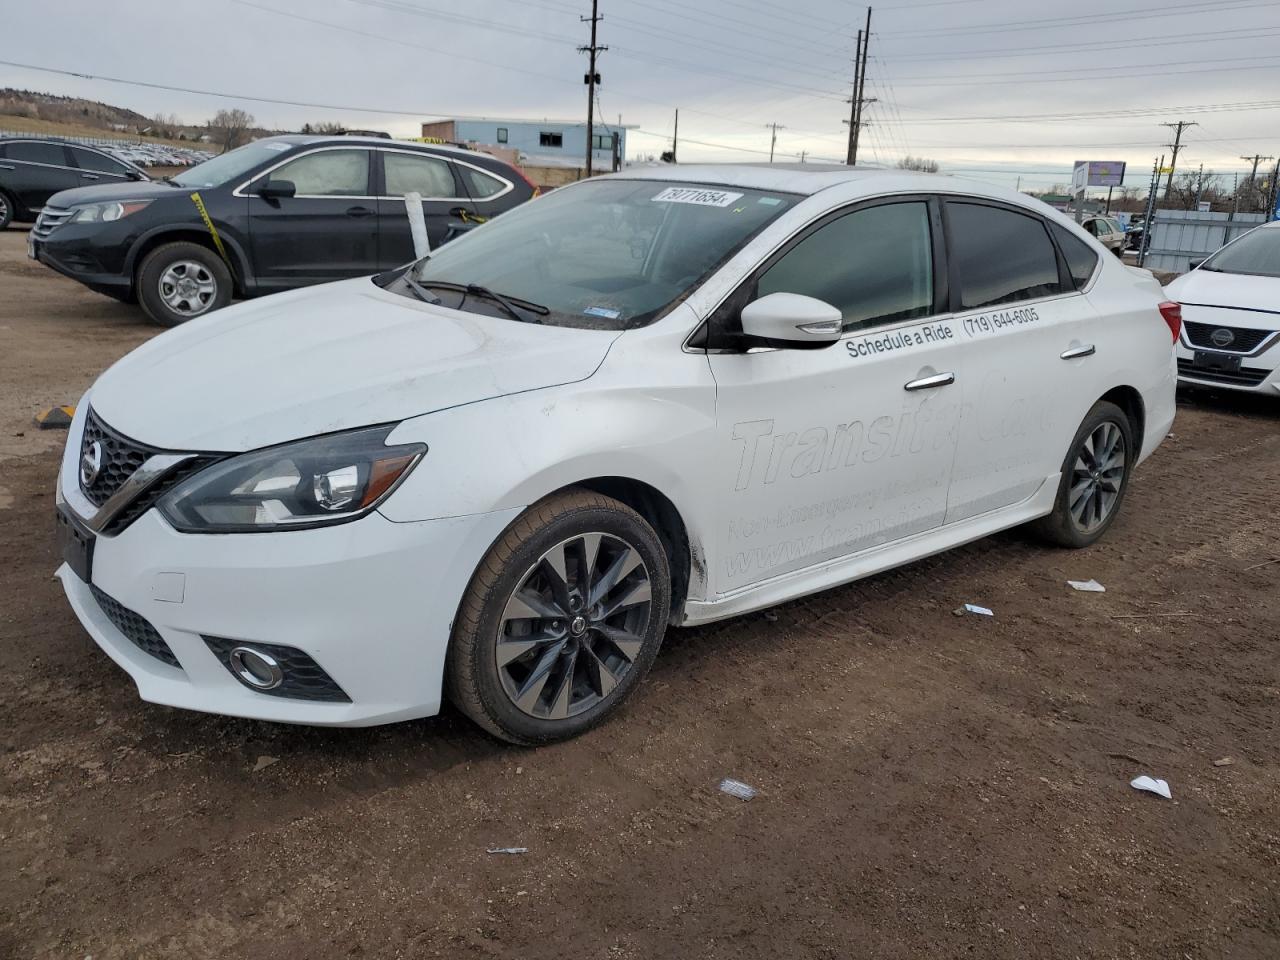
{"x": 609, "y": 254}
{"x": 1257, "y": 253}
{"x": 228, "y": 166}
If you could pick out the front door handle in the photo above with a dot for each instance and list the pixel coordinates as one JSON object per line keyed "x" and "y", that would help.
{"x": 928, "y": 383}
{"x": 1075, "y": 353}
{"x": 88, "y": 176}
{"x": 359, "y": 212}
{"x": 7, "y": 166}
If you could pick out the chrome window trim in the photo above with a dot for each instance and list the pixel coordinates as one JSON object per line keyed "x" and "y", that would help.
{"x": 152, "y": 469}
{"x": 239, "y": 191}
{"x": 59, "y": 166}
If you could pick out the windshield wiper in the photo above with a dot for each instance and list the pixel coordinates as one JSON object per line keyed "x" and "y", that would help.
{"x": 419, "y": 290}
{"x": 512, "y": 305}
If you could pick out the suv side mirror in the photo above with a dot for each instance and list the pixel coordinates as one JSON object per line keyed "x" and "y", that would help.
{"x": 1196, "y": 264}
{"x": 792, "y": 320}
{"x": 276, "y": 189}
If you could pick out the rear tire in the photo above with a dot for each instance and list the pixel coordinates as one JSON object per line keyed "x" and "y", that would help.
{"x": 561, "y": 621}
{"x": 1095, "y": 476}
{"x": 180, "y": 281}
{"x": 7, "y": 210}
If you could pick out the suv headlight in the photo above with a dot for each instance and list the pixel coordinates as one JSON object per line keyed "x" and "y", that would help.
{"x": 307, "y": 483}
{"x": 114, "y": 210}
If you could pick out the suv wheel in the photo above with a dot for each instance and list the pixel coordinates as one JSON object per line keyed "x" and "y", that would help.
{"x": 6, "y": 210}
{"x": 561, "y": 620}
{"x": 1095, "y": 476}
{"x": 180, "y": 281}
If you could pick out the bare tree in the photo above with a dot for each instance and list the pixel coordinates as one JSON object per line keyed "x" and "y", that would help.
{"x": 229, "y": 128}
{"x": 1194, "y": 187}
{"x": 922, "y": 164}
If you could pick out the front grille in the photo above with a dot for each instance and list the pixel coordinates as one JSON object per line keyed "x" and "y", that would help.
{"x": 148, "y": 498}
{"x": 120, "y": 459}
{"x": 49, "y": 219}
{"x": 1243, "y": 339}
{"x": 136, "y": 628}
{"x": 304, "y": 679}
{"x": 1244, "y": 377}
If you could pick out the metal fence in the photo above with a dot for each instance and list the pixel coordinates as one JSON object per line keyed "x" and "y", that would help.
{"x": 1180, "y": 236}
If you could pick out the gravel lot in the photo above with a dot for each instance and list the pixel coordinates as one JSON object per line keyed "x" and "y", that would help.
{"x": 930, "y": 785}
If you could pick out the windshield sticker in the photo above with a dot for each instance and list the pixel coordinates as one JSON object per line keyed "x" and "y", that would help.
{"x": 769, "y": 201}
{"x": 698, "y": 196}
{"x": 604, "y": 312}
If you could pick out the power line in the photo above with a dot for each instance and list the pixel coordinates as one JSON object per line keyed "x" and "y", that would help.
{"x": 1096, "y": 114}
{"x": 1197, "y": 6}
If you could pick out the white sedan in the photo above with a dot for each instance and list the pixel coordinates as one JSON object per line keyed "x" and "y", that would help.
{"x": 1231, "y": 305}
{"x": 657, "y": 398}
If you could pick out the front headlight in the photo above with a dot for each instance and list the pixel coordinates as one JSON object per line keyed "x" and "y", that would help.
{"x": 309, "y": 483}
{"x": 106, "y": 212}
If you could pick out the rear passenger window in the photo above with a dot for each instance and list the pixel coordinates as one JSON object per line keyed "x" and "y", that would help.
{"x": 37, "y": 153}
{"x": 1081, "y": 260}
{"x": 91, "y": 160}
{"x": 410, "y": 173}
{"x": 1000, "y": 256}
{"x": 480, "y": 185}
{"x": 874, "y": 265}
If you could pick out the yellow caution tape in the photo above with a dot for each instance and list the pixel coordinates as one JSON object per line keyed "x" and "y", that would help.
{"x": 468, "y": 217}
{"x": 213, "y": 231}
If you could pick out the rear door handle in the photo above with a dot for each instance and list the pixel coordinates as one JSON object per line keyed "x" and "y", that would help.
{"x": 7, "y": 166}
{"x": 88, "y": 176}
{"x": 1075, "y": 353}
{"x": 928, "y": 383}
{"x": 359, "y": 212}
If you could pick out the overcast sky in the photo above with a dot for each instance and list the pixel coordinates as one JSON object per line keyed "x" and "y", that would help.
{"x": 956, "y": 80}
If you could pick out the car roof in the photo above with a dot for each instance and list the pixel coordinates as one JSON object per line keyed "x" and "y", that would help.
{"x": 810, "y": 178}
{"x": 335, "y": 139}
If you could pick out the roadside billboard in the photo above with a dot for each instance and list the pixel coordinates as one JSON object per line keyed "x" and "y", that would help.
{"x": 1097, "y": 173}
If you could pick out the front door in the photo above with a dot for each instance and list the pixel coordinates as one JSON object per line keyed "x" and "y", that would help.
{"x": 37, "y": 170}
{"x": 97, "y": 169}
{"x": 443, "y": 198}
{"x": 827, "y": 453}
{"x": 327, "y": 230}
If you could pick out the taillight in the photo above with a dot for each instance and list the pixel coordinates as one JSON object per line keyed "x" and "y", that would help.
{"x": 523, "y": 176}
{"x": 1172, "y": 313}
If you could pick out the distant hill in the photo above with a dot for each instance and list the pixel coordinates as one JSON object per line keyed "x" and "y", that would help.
{"x": 86, "y": 113}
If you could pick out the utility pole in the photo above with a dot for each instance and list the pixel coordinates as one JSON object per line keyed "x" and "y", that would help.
{"x": 859, "y": 90}
{"x": 1175, "y": 147}
{"x": 591, "y": 79}
{"x": 1253, "y": 177}
{"x": 803, "y": 154}
{"x": 1199, "y": 186}
{"x": 675, "y": 137}
{"x": 617, "y": 152}
{"x": 1151, "y": 211}
{"x": 1273, "y": 202}
{"x": 773, "y": 142}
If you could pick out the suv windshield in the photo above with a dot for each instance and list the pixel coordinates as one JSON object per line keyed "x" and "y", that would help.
{"x": 228, "y": 166}
{"x": 610, "y": 254}
{"x": 1257, "y": 253}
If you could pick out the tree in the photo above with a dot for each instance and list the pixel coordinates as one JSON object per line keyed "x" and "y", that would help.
{"x": 1194, "y": 187}
{"x": 922, "y": 164}
{"x": 229, "y": 128}
{"x": 166, "y": 125}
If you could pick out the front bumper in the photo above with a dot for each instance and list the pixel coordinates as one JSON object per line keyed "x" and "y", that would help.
{"x": 371, "y": 602}
{"x": 1257, "y": 374}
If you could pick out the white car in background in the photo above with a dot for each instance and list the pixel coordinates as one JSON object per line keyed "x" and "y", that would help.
{"x": 662, "y": 397}
{"x": 1231, "y": 315}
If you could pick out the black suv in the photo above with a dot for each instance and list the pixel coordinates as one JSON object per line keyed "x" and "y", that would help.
{"x": 33, "y": 169}
{"x": 275, "y": 214}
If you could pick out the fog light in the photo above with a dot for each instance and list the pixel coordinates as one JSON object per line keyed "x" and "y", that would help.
{"x": 256, "y": 669}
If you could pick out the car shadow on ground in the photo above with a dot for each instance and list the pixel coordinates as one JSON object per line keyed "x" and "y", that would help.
{"x": 1230, "y": 402}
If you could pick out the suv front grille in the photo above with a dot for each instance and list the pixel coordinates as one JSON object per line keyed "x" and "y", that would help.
{"x": 1243, "y": 339}
{"x": 119, "y": 459}
{"x": 135, "y": 628}
{"x": 49, "y": 219}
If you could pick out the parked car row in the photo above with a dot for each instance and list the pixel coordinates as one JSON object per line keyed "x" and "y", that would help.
{"x": 275, "y": 214}
{"x": 158, "y": 155}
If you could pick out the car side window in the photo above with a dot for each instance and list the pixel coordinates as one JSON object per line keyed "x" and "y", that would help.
{"x": 480, "y": 185}
{"x": 90, "y": 160}
{"x": 999, "y": 255}
{"x": 328, "y": 173}
{"x": 1081, "y": 260}
{"x": 875, "y": 265}
{"x": 32, "y": 152}
{"x": 407, "y": 173}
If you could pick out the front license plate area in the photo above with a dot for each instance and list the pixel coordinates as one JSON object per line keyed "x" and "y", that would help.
{"x": 1223, "y": 362}
{"x": 75, "y": 543}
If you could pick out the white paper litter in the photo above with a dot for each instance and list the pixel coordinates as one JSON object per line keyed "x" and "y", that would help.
{"x": 1151, "y": 785}
{"x": 1088, "y": 586}
{"x": 736, "y": 788}
{"x": 983, "y": 611}
{"x": 508, "y": 850}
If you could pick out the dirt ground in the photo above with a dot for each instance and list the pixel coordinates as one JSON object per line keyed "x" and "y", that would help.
{"x": 930, "y": 785}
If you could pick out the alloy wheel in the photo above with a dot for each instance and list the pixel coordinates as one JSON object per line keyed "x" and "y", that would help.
{"x": 1097, "y": 476}
{"x": 574, "y": 626}
{"x": 187, "y": 287}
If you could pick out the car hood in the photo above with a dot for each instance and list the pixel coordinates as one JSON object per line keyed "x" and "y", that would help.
{"x": 1232, "y": 291}
{"x": 129, "y": 190}
{"x": 328, "y": 358}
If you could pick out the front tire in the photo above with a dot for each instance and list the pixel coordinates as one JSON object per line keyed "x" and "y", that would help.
{"x": 7, "y": 210}
{"x": 561, "y": 620}
{"x": 1095, "y": 476}
{"x": 180, "y": 281}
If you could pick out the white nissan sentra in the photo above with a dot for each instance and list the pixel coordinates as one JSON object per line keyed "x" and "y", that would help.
{"x": 658, "y": 398}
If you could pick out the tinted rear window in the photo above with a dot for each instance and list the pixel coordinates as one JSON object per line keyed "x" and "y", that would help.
{"x": 1000, "y": 256}
{"x": 37, "y": 153}
{"x": 1081, "y": 260}
{"x": 91, "y": 160}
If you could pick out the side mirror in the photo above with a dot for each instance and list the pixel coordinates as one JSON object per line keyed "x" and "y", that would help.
{"x": 137, "y": 175}
{"x": 1196, "y": 264}
{"x": 792, "y": 320}
{"x": 276, "y": 189}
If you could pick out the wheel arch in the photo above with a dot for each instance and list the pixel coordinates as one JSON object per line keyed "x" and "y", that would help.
{"x": 240, "y": 274}
{"x": 1129, "y": 399}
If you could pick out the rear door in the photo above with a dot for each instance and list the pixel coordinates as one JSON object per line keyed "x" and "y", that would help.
{"x": 327, "y": 231}
{"x": 437, "y": 181}
{"x": 37, "y": 169}
{"x": 1022, "y": 320}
